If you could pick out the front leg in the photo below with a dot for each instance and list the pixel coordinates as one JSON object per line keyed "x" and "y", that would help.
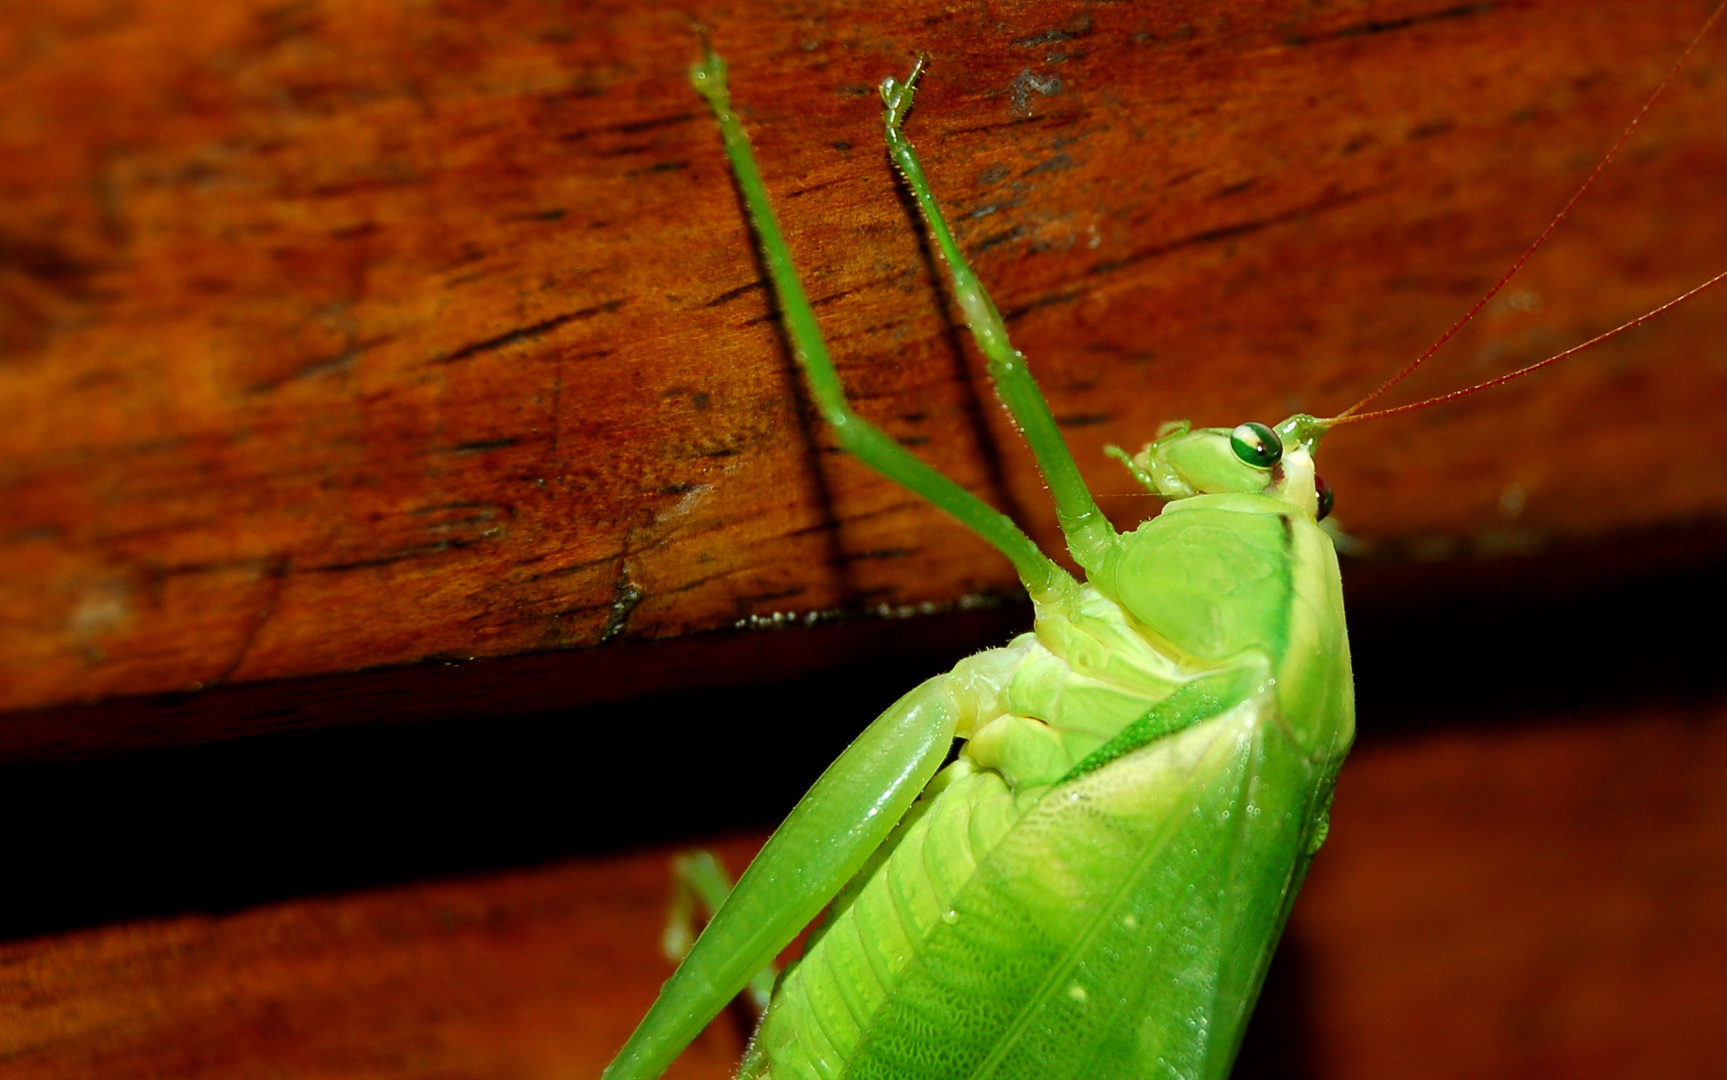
{"x": 871, "y": 444}
{"x": 1089, "y": 534}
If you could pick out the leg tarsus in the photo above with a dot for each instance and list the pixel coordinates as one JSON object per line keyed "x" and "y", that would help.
{"x": 897, "y": 95}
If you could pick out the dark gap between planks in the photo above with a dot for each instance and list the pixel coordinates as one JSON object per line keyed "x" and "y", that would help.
{"x": 230, "y": 824}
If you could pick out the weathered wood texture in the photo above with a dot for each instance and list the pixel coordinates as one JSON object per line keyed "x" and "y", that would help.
{"x": 1523, "y": 902}
{"x": 335, "y": 336}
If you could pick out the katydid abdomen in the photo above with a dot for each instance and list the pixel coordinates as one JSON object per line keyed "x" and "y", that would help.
{"x": 1100, "y": 897}
{"x": 1119, "y": 928}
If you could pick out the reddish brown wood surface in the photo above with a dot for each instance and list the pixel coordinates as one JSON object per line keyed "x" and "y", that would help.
{"x": 1528, "y": 902}
{"x": 334, "y": 336}
{"x": 1543, "y": 902}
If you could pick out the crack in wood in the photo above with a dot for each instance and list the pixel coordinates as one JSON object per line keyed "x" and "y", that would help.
{"x": 528, "y": 333}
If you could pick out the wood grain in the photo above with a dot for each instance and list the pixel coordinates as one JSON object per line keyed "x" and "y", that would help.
{"x": 343, "y": 336}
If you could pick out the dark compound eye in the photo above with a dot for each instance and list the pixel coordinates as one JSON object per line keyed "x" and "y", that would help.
{"x": 1257, "y": 445}
{"x": 1326, "y": 498}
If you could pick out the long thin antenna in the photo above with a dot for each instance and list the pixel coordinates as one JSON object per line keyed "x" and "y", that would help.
{"x": 1351, "y": 418}
{"x": 1618, "y": 144}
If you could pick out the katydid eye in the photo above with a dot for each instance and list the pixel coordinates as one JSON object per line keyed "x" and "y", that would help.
{"x": 1326, "y": 498}
{"x": 1257, "y": 445}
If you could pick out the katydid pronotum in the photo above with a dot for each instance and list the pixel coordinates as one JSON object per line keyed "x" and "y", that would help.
{"x": 1094, "y": 886}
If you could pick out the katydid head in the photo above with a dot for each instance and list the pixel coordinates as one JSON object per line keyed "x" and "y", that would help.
{"x": 1249, "y": 459}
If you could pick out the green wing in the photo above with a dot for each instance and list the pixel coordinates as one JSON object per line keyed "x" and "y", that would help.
{"x": 1119, "y": 928}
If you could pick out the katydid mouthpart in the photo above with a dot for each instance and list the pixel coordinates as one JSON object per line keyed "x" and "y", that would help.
{"x": 1095, "y": 885}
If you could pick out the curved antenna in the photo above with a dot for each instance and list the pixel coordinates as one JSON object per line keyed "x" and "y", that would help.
{"x": 1618, "y": 144}
{"x": 1350, "y": 418}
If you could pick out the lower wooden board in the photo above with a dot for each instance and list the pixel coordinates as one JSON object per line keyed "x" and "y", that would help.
{"x": 1533, "y": 899}
{"x": 1544, "y": 902}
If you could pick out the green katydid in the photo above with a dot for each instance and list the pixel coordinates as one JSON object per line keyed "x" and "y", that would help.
{"x": 1095, "y": 885}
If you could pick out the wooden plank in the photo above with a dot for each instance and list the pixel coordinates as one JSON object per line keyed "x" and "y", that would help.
{"x": 1522, "y": 899}
{"x": 344, "y": 337}
{"x": 517, "y": 975}
{"x": 1537, "y": 902}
